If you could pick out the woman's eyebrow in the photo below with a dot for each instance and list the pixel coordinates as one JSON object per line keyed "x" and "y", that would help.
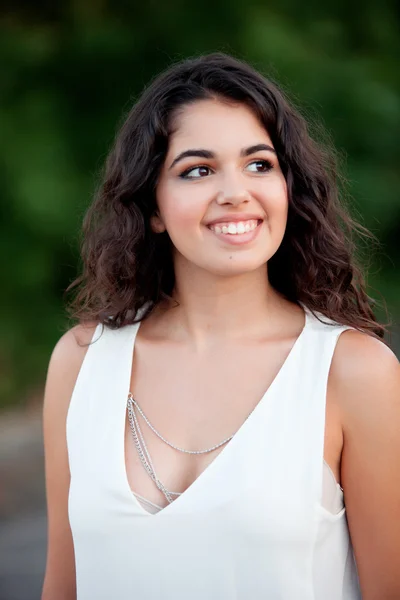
{"x": 256, "y": 148}
{"x": 201, "y": 153}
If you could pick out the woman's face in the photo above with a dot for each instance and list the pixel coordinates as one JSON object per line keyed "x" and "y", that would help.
{"x": 221, "y": 194}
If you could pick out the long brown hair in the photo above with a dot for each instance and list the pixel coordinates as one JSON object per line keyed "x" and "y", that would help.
{"x": 125, "y": 266}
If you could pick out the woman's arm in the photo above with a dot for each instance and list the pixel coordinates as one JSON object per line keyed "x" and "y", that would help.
{"x": 64, "y": 366}
{"x": 366, "y": 383}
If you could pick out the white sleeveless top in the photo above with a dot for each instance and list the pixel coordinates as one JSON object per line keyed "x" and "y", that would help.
{"x": 252, "y": 525}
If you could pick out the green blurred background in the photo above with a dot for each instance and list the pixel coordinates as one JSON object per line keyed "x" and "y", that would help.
{"x": 68, "y": 71}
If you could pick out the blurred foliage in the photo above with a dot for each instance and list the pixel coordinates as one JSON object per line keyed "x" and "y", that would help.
{"x": 68, "y": 71}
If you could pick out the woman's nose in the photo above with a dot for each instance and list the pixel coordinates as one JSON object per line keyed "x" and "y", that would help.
{"x": 233, "y": 194}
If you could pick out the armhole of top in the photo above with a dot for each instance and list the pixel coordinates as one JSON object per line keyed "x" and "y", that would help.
{"x": 337, "y": 334}
{"x": 333, "y": 345}
{"x": 84, "y": 369}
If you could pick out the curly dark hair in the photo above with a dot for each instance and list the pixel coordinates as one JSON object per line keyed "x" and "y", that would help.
{"x": 127, "y": 267}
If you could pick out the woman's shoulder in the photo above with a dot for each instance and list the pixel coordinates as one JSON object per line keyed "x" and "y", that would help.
{"x": 364, "y": 376}
{"x": 73, "y": 344}
{"x": 362, "y": 354}
{"x": 65, "y": 363}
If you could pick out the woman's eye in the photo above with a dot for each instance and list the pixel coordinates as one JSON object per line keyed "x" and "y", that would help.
{"x": 260, "y": 166}
{"x": 195, "y": 172}
{"x": 257, "y": 166}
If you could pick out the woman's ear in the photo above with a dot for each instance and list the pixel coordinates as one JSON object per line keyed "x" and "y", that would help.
{"x": 156, "y": 223}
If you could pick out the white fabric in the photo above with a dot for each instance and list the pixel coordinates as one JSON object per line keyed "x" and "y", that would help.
{"x": 332, "y": 495}
{"x": 251, "y": 526}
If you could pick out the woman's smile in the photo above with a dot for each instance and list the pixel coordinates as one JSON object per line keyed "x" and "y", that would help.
{"x": 236, "y": 232}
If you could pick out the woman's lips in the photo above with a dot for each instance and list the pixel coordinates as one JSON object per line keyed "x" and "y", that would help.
{"x": 233, "y": 233}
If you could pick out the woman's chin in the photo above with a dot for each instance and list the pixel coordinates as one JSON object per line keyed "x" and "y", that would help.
{"x": 228, "y": 265}
{"x": 235, "y": 268}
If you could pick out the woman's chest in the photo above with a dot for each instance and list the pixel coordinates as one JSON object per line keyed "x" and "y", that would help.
{"x": 195, "y": 405}
{"x": 194, "y": 401}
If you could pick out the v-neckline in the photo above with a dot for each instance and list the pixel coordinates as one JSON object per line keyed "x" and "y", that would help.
{"x": 175, "y": 505}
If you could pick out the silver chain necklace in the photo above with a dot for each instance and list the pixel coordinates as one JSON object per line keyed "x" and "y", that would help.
{"x": 143, "y": 452}
{"x": 133, "y": 401}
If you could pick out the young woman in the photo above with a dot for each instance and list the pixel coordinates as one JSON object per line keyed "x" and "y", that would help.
{"x": 227, "y": 390}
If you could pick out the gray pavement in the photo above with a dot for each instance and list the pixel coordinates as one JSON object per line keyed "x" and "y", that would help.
{"x": 22, "y": 557}
{"x": 22, "y": 507}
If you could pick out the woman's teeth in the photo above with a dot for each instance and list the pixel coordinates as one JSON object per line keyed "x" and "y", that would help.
{"x": 235, "y": 228}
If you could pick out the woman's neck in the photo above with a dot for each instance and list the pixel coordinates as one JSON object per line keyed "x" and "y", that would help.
{"x": 214, "y": 309}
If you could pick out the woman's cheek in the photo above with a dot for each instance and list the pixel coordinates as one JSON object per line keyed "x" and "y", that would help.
{"x": 186, "y": 210}
{"x": 275, "y": 198}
